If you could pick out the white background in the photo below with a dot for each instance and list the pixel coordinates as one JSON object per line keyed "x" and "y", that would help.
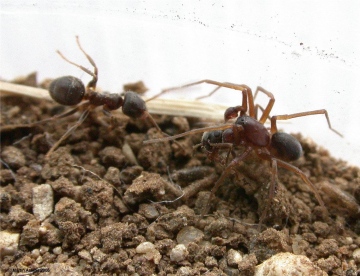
{"x": 306, "y": 52}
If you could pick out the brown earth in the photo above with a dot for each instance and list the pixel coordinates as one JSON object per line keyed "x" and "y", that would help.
{"x": 113, "y": 209}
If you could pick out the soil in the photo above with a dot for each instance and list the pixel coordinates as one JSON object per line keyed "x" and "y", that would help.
{"x": 104, "y": 203}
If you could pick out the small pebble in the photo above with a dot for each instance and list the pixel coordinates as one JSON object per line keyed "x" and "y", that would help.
{"x": 189, "y": 234}
{"x": 35, "y": 253}
{"x": 8, "y": 243}
{"x": 44, "y": 249}
{"x": 348, "y": 241}
{"x": 84, "y": 254}
{"x": 151, "y": 253}
{"x": 39, "y": 260}
{"x": 13, "y": 157}
{"x": 288, "y": 264}
{"x": 184, "y": 271}
{"x": 43, "y": 201}
{"x": 179, "y": 253}
{"x": 57, "y": 250}
{"x": 210, "y": 262}
{"x": 5, "y": 200}
{"x": 356, "y": 255}
{"x": 97, "y": 254}
{"x": 233, "y": 258}
{"x": 149, "y": 211}
{"x": 145, "y": 247}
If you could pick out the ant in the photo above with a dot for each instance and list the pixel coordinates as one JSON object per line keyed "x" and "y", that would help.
{"x": 249, "y": 133}
{"x": 70, "y": 91}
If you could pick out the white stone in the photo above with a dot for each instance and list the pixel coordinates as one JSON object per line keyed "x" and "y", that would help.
{"x": 233, "y": 258}
{"x": 149, "y": 250}
{"x": 356, "y": 255}
{"x": 178, "y": 253}
{"x": 8, "y": 243}
{"x": 43, "y": 201}
{"x": 84, "y": 254}
{"x": 145, "y": 247}
{"x": 288, "y": 264}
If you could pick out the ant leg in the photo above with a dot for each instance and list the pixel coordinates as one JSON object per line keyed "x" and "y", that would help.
{"x": 94, "y": 74}
{"x": 93, "y": 82}
{"x": 301, "y": 114}
{"x": 83, "y": 105}
{"x": 269, "y": 106}
{"x": 68, "y": 132}
{"x": 59, "y": 116}
{"x": 233, "y": 164}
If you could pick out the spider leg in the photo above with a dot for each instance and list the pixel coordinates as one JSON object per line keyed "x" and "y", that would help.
{"x": 300, "y": 173}
{"x": 272, "y": 190}
{"x": 190, "y": 132}
{"x": 301, "y": 114}
{"x": 233, "y": 164}
{"x": 247, "y": 94}
{"x": 269, "y": 106}
{"x": 151, "y": 119}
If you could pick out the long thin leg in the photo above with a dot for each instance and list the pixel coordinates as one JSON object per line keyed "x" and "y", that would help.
{"x": 269, "y": 106}
{"x": 277, "y": 162}
{"x": 272, "y": 189}
{"x": 257, "y": 108}
{"x": 241, "y": 87}
{"x": 69, "y": 131}
{"x": 190, "y": 132}
{"x": 83, "y": 105}
{"x": 304, "y": 178}
{"x": 59, "y": 116}
{"x": 233, "y": 164}
{"x": 301, "y": 114}
{"x": 151, "y": 119}
{"x": 210, "y": 94}
{"x": 94, "y": 74}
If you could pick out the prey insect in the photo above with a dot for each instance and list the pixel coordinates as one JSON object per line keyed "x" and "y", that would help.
{"x": 70, "y": 91}
{"x": 251, "y": 135}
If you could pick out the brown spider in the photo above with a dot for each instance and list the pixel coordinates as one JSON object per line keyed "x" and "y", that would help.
{"x": 249, "y": 132}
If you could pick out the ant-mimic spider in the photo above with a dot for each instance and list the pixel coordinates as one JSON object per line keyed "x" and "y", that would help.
{"x": 70, "y": 91}
{"x": 249, "y": 133}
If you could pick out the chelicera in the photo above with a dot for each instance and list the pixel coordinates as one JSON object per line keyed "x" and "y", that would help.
{"x": 70, "y": 91}
{"x": 251, "y": 135}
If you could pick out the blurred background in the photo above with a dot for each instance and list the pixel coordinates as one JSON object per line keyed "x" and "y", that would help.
{"x": 306, "y": 52}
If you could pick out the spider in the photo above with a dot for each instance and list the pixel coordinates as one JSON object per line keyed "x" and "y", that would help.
{"x": 249, "y": 132}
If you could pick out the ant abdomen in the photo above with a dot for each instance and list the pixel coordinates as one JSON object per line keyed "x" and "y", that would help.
{"x": 67, "y": 90}
{"x": 285, "y": 147}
